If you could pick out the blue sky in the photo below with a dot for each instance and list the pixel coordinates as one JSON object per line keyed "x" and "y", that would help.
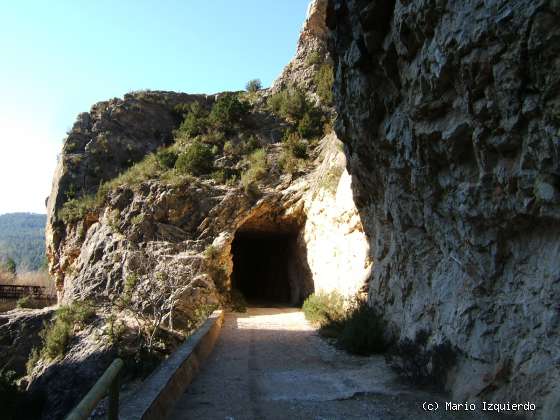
{"x": 60, "y": 57}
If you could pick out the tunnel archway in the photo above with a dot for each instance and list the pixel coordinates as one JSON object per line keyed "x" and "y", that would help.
{"x": 270, "y": 264}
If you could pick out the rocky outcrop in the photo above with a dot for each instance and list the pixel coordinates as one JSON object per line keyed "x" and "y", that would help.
{"x": 19, "y": 334}
{"x": 449, "y": 113}
{"x": 105, "y": 142}
{"x": 312, "y": 51}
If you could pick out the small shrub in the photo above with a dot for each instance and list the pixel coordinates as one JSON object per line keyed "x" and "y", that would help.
{"x": 195, "y": 122}
{"x": 77, "y": 208}
{"x": 324, "y": 79}
{"x": 251, "y": 144}
{"x": 310, "y": 125}
{"x": 130, "y": 283}
{"x": 211, "y": 252}
{"x": 56, "y": 339}
{"x": 289, "y": 104}
{"x": 288, "y": 163}
{"x": 226, "y": 176}
{"x": 421, "y": 364}
{"x": 114, "y": 219}
{"x": 357, "y": 329}
{"x": 294, "y": 144}
{"x": 197, "y": 159}
{"x": 314, "y": 57}
{"x": 213, "y": 138}
{"x": 362, "y": 331}
{"x": 115, "y": 330}
{"x": 229, "y": 148}
{"x": 138, "y": 219}
{"x": 25, "y": 302}
{"x": 57, "y": 335}
{"x": 10, "y": 266}
{"x": 321, "y": 308}
{"x": 167, "y": 158}
{"x": 253, "y": 85}
{"x": 226, "y": 112}
{"x": 256, "y": 170}
{"x": 34, "y": 358}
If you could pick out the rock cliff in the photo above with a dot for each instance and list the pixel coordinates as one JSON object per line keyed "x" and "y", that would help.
{"x": 449, "y": 113}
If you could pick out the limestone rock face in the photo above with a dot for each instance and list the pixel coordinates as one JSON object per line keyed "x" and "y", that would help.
{"x": 106, "y": 141}
{"x": 312, "y": 41}
{"x": 450, "y": 114}
{"x": 337, "y": 248}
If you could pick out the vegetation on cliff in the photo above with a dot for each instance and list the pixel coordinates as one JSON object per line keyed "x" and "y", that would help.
{"x": 221, "y": 142}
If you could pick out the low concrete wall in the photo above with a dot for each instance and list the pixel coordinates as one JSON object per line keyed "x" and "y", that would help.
{"x": 161, "y": 390}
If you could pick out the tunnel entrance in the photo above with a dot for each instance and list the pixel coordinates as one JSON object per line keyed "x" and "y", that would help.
{"x": 270, "y": 268}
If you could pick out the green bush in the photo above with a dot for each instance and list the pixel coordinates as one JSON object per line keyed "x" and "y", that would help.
{"x": 167, "y": 158}
{"x": 314, "y": 57}
{"x": 227, "y": 112}
{"x": 253, "y": 85}
{"x": 211, "y": 252}
{"x": 77, "y": 208}
{"x": 358, "y": 329}
{"x": 229, "y": 148}
{"x": 34, "y": 358}
{"x": 256, "y": 171}
{"x": 321, "y": 308}
{"x": 420, "y": 363}
{"x": 362, "y": 331}
{"x": 289, "y": 104}
{"x": 56, "y": 339}
{"x": 197, "y": 159}
{"x": 25, "y": 302}
{"x": 293, "y": 144}
{"x": 57, "y": 335}
{"x": 324, "y": 79}
{"x": 310, "y": 125}
{"x": 195, "y": 122}
{"x": 251, "y": 144}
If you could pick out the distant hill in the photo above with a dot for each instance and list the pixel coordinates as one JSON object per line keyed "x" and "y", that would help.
{"x": 22, "y": 238}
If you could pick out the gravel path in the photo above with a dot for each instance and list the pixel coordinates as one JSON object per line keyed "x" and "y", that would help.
{"x": 269, "y": 363}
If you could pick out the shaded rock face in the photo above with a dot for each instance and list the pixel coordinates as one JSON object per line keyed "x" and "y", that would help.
{"x": 450, "y": 114}
{"x": 19, "y": 333}
{"x": 63, "y": 384}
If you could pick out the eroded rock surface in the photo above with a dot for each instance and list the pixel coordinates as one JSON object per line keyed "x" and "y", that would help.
{"x": 19, "y": 333}
{"x": 449, "y": 112}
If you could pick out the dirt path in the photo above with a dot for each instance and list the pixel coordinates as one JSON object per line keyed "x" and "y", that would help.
{"x": 270, "y": 364}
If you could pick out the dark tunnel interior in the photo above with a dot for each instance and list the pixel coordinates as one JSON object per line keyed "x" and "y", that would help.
{"x": 263, "y": 265}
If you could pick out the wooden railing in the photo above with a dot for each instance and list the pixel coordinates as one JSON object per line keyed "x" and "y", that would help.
{"x": 107, "y": 384}
{"x": 16, "y": 292}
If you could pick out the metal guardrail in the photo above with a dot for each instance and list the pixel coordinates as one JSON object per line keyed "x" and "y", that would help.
{"x": 107, "y": 384}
